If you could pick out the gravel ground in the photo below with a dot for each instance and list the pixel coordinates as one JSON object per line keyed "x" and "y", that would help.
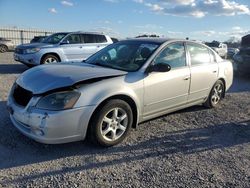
{"x": 195, "y": 147}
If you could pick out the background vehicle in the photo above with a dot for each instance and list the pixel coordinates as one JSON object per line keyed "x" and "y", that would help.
{"x": 6, "y": 45}
{"x": 37, "y": 39}
{"x": 65, "y": 46}
{"x": 242, "y": 58}
{"x": 218, "y": 47}
{"x": 126, "y": 83}
{"x": 231, "y": 52}
{"x": 114, "y": 39}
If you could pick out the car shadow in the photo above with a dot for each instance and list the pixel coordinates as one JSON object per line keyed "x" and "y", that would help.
{"x": 17, "y": 150}
{"x": 12, "y": 68}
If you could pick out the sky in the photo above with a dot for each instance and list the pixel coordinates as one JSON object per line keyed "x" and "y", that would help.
{"x": 205, "y": 20}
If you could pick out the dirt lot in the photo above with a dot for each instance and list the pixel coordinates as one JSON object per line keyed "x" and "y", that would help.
{"x": 196, "y": 147}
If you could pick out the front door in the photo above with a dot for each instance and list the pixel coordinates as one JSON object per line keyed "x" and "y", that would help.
{"x": 163, "y": 91}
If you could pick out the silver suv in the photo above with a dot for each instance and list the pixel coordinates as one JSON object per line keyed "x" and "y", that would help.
{"x": 218, "y": 47}
{"x": 65, "y": 46}
{"x": 6, "y": 45}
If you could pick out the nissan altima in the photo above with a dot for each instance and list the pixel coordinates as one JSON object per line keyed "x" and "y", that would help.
{"x": 124, "y": 84}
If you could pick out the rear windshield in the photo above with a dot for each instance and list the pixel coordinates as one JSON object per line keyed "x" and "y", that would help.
{"x": 213, "y": 44}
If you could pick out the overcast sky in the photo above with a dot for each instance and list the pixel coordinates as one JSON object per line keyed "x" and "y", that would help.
{"x": 196, "y": 19}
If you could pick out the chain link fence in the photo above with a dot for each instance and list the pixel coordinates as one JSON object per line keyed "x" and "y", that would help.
{"x": 22, "y": 36}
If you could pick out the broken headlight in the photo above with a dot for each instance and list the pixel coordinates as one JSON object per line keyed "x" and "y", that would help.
{"x": 59, "y": 100}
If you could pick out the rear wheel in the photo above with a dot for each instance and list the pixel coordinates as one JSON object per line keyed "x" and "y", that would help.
{"x": 49, "y": 59}
{"x": 111, "y": 124}
{"x": 216, "y": 94}
{"x": 3, "y": 48}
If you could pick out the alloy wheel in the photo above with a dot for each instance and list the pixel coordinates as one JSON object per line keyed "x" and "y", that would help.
{"x": 50, "y": 60}
{"x": 217, "y": 93}
{"x": 114, "y": 124}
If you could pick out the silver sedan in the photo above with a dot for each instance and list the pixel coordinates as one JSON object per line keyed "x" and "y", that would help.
{"x": 120, "y": 86}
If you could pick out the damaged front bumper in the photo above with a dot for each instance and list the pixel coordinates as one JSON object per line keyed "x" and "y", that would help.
{"x": 50, "y": 127}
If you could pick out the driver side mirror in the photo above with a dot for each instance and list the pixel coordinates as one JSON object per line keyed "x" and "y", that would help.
{"x": 64, "y": 42}
{"x": 159, "y": 67}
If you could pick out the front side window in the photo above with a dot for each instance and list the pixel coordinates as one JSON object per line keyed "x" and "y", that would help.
{"x": 173, "y": 55}
{"x": 199, "y": 54}
{"x": 55, "y": 38}
{"x": 128, "y": 56}
{"x": 73, "y": 39}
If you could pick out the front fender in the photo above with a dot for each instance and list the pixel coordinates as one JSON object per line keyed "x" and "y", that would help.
{"x": 94, "y": 94}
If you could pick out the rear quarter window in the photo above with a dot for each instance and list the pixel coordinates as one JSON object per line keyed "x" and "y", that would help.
{"x": 100, "y": 39}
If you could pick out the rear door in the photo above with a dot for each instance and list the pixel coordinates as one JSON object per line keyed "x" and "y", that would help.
{"x": 204, "y": 71}
{"x": 92, "y": 44}
{"x": 72, "y": 47}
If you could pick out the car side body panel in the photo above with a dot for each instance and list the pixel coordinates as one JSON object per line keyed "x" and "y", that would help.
{"x": 130, "y": 85}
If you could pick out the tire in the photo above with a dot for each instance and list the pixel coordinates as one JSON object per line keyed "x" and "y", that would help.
{"x": 216, "y": 94}
{"x": 111, "y": 123}
{"x": 3, "y": 48}
{"x": 49, "y": 59}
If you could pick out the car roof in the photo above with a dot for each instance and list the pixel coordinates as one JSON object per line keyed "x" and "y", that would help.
{"x": 157, "y": 40}
{"x": 83, "y": 32}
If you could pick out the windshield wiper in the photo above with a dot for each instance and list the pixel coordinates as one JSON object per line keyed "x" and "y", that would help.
{"x": 102, "y": 65}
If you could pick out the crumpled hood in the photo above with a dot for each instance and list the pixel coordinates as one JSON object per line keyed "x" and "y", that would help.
{"x": 34, "y": 45}
{"x": 45, "y": 78}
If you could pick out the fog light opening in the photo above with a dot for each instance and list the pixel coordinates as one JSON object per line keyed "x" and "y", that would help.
{"x": 38, "y": 132}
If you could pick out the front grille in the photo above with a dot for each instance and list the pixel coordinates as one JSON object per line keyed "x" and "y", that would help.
{"x": 19, "y": 51}
{"x": 21, "y": 95}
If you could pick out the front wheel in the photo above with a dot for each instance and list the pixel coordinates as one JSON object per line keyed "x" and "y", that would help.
{"x": 111, "y": 124}
{"x": 49, "y": 59}
{"x": 3, "y": 48}
{"x": 216, "y": 94}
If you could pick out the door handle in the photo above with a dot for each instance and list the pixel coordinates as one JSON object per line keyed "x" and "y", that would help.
{"x": 214, "y": 71}
{"x": 186, "y": 78}
{"x": 80, "y": 47}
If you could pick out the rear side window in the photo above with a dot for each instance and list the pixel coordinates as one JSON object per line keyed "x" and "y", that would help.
{"x": 199, "y": 54}
{"x": 73, "y": 39}
{"x": 90, "y": 38}
{"x": 212, "y": 56}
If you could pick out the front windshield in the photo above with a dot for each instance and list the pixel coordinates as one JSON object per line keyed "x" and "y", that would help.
{"x": 55, "y": 38}
{"x": 127, "y": 56}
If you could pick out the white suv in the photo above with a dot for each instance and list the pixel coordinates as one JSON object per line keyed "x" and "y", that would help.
{"x": 219, "y": 47}
{"x": 65, "y": 46}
